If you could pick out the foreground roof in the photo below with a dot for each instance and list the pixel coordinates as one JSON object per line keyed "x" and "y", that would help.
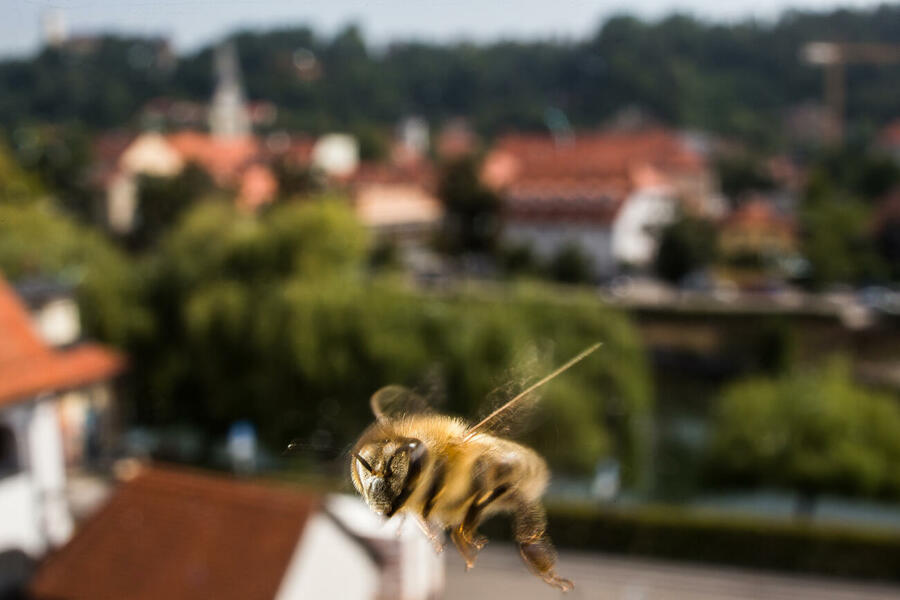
{"x": 29, "y": 366}
{"x": 180, "y": 534}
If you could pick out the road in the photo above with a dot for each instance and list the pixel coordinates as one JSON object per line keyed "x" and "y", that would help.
{"x": 500, "y": 574}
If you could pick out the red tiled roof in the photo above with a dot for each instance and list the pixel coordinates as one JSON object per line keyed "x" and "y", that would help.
{"x": 520, "y": 158}
{"x": 223, "y": 159}
{"x": 178, "y": 534}
{"x": 29, "y": 367}
{"x": 587, "y": 178}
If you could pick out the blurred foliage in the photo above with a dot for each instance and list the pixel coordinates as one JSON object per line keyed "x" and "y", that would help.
{"x": 60, "y": 157}
{"x": 813, "y": 431}
{"x": 685, "y": 534}
{"x": 836, "y": 217}
{"x": 161, "y": 200}
{"x": 836, "y": 240}
{"x": 571, "y": 264}
{"x": 743, "y": 173}
{"x": 270, "y": 319}
{"x": 736, "y": 78}
{"x": 887, "y": 243}
{"x": 36, "y": 240}
{"x": 297, "y": 181}
{"x": 471, "y": 221}
{"x": 852, "y": 170}
{"x": 16, "y": 186}
{"x": 686, "y": 245}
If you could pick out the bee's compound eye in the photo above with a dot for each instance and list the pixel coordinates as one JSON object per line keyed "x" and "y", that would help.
{"x": 363, "y": 462}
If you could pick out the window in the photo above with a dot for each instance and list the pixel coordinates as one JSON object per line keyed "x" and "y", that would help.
{"x": 9, "y": 454}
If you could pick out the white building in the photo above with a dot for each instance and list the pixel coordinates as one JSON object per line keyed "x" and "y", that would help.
{"x": 53, "y": 404}
{"x": 609, "y": 193}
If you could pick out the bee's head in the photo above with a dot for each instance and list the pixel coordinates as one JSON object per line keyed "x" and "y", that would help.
{"x": 384, "y": 471}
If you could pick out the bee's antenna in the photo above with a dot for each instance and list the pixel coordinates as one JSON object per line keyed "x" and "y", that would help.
{"x": 551, "y": 376}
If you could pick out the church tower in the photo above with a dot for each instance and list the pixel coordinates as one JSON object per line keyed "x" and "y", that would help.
{"x": 228, "y": 116}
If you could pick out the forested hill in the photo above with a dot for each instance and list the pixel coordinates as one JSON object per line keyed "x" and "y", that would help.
{"x": 732, "y": 78}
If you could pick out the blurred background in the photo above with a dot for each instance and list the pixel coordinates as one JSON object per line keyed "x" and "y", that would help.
{"x": 224, "y": 225}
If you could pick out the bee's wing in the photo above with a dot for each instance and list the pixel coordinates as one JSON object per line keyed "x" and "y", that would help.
{"x": 395, "y": 401}
{"x": 499, "y": 418}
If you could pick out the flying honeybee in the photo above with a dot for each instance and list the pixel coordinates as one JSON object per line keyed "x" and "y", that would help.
{"x": 451, "y": 475}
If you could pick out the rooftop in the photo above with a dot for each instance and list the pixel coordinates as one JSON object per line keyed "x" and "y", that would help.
{"x": 180, "y": 534}
{"x": 29, "y": 367}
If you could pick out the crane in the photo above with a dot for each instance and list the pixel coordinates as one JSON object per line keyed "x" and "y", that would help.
{"x": 834, "y": 57}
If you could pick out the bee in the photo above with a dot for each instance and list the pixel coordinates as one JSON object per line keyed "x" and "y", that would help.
{"x": 452, "y": 475}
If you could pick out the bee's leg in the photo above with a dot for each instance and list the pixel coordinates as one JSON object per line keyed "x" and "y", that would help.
{"x": 476, "y": 512}
{"x": 465, "y": 535}
{"x": 432, "y": 532}
{"x": 467, "y": 549}
{"x": 530, "y": 525}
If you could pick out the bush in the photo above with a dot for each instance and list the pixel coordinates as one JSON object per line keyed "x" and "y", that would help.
{"x": 686, "y": 536}
{"x": 815, "y": 431}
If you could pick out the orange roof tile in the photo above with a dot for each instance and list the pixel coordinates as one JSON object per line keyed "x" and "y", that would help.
{"x": 258, "y": 186}
{"x": 519, "y": 158}
{"x": 179, "y": 534}
{"x": 587, "y": 178}
{"x": 29, "y": 367}
{"x": 224, "y": 159}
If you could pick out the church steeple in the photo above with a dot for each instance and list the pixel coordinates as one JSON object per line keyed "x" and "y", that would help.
{"x": 228, "y": 116}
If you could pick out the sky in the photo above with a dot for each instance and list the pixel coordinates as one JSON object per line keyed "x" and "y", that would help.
{"x": 193, "y": 23}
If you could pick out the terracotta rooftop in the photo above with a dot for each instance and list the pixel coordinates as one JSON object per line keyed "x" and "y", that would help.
{"x": 29, "y": 367}
{"x": 223, "y": 159}
{"x": 178, "y": 534}
{"x": 523, "y": 158}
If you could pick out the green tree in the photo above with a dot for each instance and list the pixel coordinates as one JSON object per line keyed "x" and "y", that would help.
{"x": 16, "y": 186}
{"x": 813, "y": 431}
{"x": 742, "y": 173}
{"x": 571, "y": 264}
{"x": 471, "y": 221}
{"x": 60, "y": 157}
{"x": 161, "y": 200}
{"x": 836, "y": 241}
{"x": 686, "y": 245}
{"x": 36, "y": 240}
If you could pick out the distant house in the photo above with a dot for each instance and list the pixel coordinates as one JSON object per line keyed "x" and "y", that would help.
{"x": 55, "y": 404}
{"x": 757, "y": 239}
{"x": 171, "y": 533}
{"x": 607, "y": 192}
{"x": 397, "y": 202}
{"x": 240, "y": 164}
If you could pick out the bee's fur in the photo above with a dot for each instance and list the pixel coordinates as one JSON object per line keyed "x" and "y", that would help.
{"x": 435, "y": 468}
